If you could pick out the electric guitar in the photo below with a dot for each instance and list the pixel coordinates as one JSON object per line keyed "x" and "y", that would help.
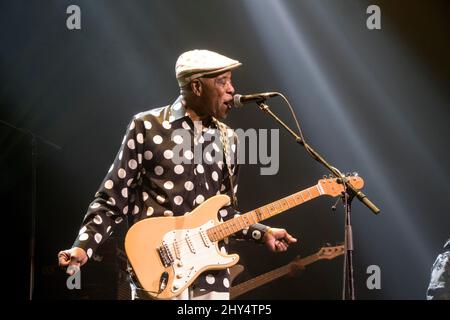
{"x": 168, "y": 253}
{"x": 290, "y": 268}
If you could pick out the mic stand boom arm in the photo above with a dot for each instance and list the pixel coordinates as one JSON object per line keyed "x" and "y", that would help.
{"x": 354, "y": 192}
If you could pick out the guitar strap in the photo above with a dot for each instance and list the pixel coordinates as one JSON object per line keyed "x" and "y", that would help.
{"x": 226, "y": 148}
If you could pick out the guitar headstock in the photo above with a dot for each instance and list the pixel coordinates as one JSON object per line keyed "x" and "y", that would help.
{"x": 333, "y": 186}
{"x": 327, "y": 252}
{"x": 330, "y": 252}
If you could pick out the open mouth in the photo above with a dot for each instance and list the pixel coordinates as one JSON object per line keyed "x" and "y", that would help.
{"x": 229, "y": 104}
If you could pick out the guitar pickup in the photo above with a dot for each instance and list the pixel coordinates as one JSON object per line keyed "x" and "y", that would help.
{"x": 165, "y": 255}
{"x": 205, "y": 238}
{"x": 189, "y": 243}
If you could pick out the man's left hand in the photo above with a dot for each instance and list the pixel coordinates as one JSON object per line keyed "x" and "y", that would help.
{"x": 278, "y": 240}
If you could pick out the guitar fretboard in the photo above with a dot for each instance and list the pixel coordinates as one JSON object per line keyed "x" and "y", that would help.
{"x": 241, "y": 222}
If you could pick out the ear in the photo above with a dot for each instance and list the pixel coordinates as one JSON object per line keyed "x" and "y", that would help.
{"x": 196, "y": 87}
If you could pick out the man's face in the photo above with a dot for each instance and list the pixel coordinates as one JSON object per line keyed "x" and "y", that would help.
{"x": 217, "y": 95}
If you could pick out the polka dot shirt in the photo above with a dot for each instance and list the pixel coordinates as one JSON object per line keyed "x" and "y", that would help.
{"x": 154, "y": 174}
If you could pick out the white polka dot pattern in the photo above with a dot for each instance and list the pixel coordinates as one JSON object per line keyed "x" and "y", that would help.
{"x": 109, "y": 184}
{"x": 178, "y": 200}
{"x": 179, "y": 169}
{"x": 189, "y": 185}
{"x": 121, "y": 173}
{"x": 147, "y": 125}
{"x": 210, "y": 278}
{"x": 168, "y": 154}
{"x": 157, "y": 139}
{"x": 145, "y": 180}
{"x": 98, "y": 219}
{"x": 140, "y": 138}
{"x": 178, "y": 139}
{"x": 130, "y": 144}
{"x": 199, "y": 199}
{"x": 83, "y": 236}
{"x": 168, "y": 185}
{"x": 159, "y": 170}
{"x": 132, "y": 164}
{"x": 223, "y": 212}
{"x": 148, "y": 155}
{"x": 98, "y": 237}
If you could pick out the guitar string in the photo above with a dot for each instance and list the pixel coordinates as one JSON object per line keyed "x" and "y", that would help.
{"x": 182, "y": 245}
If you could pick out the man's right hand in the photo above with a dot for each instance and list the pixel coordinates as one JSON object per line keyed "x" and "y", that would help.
{"x": 73, "y": 259}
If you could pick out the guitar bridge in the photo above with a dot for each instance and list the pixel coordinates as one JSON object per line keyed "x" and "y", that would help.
{"x": 165, "y": 255}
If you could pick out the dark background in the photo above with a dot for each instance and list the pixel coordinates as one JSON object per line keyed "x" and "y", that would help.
{"x": 371, "y": 101}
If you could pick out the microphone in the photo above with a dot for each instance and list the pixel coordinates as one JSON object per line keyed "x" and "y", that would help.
{"x": 240, "y": 100}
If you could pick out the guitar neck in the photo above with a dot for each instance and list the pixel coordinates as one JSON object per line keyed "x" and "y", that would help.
{"x": 264, "y": 278}
{"x": 241, "y": 222}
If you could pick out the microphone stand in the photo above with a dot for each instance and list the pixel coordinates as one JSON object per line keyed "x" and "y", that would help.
{"x": 347, "y": 197}
{"x": 348, "y": 288}
{"x": 34, "y": 154}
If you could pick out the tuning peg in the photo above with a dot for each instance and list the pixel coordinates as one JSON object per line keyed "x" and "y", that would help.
{"x": 324, "y": 176}
{"x": 355, "y": 174}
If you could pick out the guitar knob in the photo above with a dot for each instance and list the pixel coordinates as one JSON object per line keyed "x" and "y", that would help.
{"x": 179, "y": 264}
{"x": 179, "y": 275}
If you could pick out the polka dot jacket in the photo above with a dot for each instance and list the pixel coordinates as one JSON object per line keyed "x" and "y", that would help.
{"x": 151, "y": 177}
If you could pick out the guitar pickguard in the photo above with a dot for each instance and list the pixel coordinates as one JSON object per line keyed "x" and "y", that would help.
{"x": 193, "y": 252}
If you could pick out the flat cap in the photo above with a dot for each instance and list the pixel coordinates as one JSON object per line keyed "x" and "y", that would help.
{"x": 198, "y": 63}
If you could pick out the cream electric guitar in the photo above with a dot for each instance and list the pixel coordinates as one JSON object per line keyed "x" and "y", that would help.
{"x": 290, "y": 268}
{"x": 168, "y": 253}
